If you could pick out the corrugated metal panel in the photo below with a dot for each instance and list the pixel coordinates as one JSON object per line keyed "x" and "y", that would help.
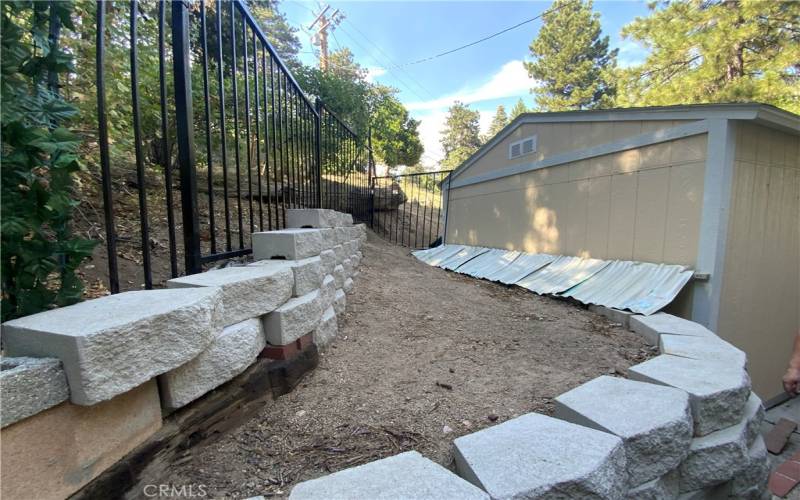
{"x": 640, "y": 287}
{"x": 488, "y": 263}
{"x": 522, "y": 266}
{"x": 435, "y": 256}
{"x": 465, "y": 255}
{"x": 562, "y": 274}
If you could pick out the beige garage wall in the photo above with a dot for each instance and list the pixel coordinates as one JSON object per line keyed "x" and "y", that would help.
{"x": 557, "y": 138}
{"x": 642, "y": 204}
{"x": 761, "y": 282}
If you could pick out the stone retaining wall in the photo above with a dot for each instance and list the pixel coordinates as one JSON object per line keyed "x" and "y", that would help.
{"x": 685, "y": 424}
{"x": 79, "y": 384}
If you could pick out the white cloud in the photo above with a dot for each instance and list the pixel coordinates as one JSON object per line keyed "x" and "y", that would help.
{"x": 374, "y": 72}
{"x": 511, "y": 80}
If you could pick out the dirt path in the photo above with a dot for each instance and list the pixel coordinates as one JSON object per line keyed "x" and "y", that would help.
{"x": 423, "y": 356}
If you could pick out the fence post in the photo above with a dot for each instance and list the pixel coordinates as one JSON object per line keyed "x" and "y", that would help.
{"x": 184, "y": 121}
{"x": 318, "y": 149}
{"x": 370, "y": 180}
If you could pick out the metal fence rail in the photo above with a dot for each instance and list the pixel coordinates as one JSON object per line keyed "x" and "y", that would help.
{"x": 407, "y": 209}
{"x": 246, "y": 142}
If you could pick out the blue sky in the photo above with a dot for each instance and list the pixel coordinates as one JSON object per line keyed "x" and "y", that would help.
{"x": 386, "y": 36}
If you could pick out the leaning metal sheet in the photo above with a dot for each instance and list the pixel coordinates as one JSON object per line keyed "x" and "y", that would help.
{"x": 522, "y": 266}
{"x": 562, "y": 274}
{"x": 465, "y": 255}
{"x": 434, "y": 256}
{"x": 640, "y": 287}
{"x": 488, "y": 263}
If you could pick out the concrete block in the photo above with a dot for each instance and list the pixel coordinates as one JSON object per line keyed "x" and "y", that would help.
{"x": 407, "y": 475}
{"x": 311, "y": 218}
{"x": 289, "y": 244}
{"x": 535, "y": 456}
{"x": 231, "y": 352}
{"x": 247, "y": 291}
{"x": 347, "y": 264}
{"x": 328, "y": 259}
{"x": 362, "y": 228}
{"x": 654, "y": 422}
{"x": 348, "y": 285}
{"x": 29, "y": 386}
{"x": 327, "y": 292}
{"x": 340, "y": 302}
{"x": 328, "y": 235}
{"x": 356, "y": 260}
{"x": 355, "y": 274}
{"x": 753, "y": 417}
{"x": 292, "y": 320}
{"x": 661, "y": 488}
{"x": 56, "y": 452}
{"x": 342, "y": 235}
{"x": 345, "y": 219}
{"x": 702, "y": 348}
{"x": 750, "y": 482}
{"x": 307, "y": 275}
{"x": 339, "y": 275}
{"x": 110, "y": 345}
{"x": 340, "y": 253}
{"x": 715, "y": 458}
{"x": 651, "y": 327}
{"x": 717, "y": 391}
{"x": 327, "y": 329}
{"x": 614, "y": 315}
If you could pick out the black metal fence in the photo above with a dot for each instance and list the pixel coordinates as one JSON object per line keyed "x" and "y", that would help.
{"x": 248, "y": 143}
{"x": 407, "y": 209}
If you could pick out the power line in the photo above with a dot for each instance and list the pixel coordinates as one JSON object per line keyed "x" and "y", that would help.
{"x": 493, "y": 35}
{"x": 389, "y": 58}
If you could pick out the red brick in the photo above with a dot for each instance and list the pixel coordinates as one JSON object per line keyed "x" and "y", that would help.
{"x": 790, "y": 469}
{"x": 780, "y": 485}
{"x": 776, "y": 438}
{"x": 288, "y": 351}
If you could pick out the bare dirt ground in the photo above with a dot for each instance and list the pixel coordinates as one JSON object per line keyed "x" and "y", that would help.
{"x": 423, "y": 356}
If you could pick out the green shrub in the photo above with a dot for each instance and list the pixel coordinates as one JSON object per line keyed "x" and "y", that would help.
{"x": 39, "y": 159}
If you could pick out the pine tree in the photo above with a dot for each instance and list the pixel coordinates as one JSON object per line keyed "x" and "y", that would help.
{"x": 518, "y": 109}
{"x": 461, "y": 135}
{"x": 499, "y": 122}
{"x": 716, "y": 51}
{"x": 571, "y": 60}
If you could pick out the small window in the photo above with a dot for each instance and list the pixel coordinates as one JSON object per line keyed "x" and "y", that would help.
{"x": 522, "y": 147}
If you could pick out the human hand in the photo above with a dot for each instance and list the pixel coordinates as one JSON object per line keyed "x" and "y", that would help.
{"x": 791, "y": 381}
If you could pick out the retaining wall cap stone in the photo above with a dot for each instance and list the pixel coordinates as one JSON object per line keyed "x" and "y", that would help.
{"x": 247, "y": 291}
{"x": 292, "y": 320}
{"x": 654, "y": 422}
{"x": 717, "y": 391}
{"x": 107, "y": 345}
{"x": 706, "y": 348}
{"x": 289, "y": 244}
{"x": 407, "y": 475}
{"x": 311, "y": 217}
{"x": 535, "y": 456}
{"x": 29, "y": 386}
{"x": 651, "y": 327}
{"x": 231, "y": 352}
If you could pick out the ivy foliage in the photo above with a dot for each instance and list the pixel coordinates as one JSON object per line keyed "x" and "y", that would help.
{"x": 39, "y": 158}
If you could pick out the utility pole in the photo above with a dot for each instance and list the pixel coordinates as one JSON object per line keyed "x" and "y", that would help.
{"x": 320, "y": 37}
